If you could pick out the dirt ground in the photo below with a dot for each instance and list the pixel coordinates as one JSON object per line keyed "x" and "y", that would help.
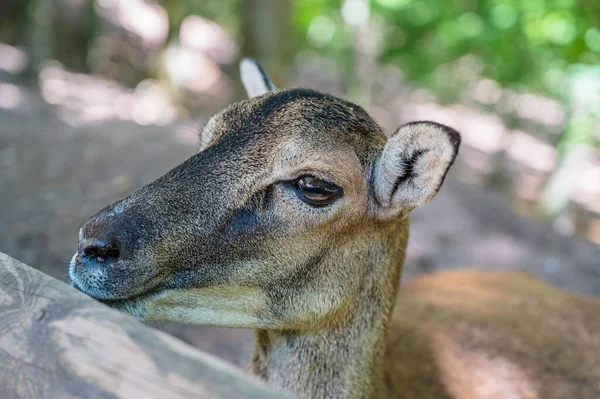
{"x": 54, "y": 176}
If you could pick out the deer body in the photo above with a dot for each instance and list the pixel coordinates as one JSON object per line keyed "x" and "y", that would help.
{"x": 472, "y": 334}
{"x": 293, "y": 220}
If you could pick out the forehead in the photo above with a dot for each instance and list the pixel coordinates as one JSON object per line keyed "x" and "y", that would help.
{"x": 302, "y": 117}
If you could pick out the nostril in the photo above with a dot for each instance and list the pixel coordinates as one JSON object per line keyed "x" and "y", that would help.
{"x": 101, "y": 251}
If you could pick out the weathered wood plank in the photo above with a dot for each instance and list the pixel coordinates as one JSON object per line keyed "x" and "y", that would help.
{"x": 55, "y": 342}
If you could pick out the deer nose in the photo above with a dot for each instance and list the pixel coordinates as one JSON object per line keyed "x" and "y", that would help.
{"x": 96, "y": 251}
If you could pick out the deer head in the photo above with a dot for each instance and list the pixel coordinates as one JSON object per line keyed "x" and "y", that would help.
{"x": 270, "y": 224}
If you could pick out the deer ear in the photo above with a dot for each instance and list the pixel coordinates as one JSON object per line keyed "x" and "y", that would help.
{"x": 255, "y": 80}
{"x": 412, "y": 166}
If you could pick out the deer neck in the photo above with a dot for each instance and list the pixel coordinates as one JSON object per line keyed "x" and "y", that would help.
{"x": 344, "y": 360}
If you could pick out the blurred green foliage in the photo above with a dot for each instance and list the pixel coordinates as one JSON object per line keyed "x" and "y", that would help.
{"x": 522, "y": 44}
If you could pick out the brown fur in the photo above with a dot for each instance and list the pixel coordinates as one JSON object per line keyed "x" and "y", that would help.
{"x": 477, "y": 335}
{"x": 223, "y": 239}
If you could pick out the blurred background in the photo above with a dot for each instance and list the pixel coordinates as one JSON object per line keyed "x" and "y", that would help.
{"x": 98, "y": 97}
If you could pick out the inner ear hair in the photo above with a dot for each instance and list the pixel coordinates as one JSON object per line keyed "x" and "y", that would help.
{"x": 413, "y": 164}
{"x": 255, "y": 80}
{"x": 409, "y": 170}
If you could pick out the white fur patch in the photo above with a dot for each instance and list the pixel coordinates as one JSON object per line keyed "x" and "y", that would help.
{"x": 207, "y": 133}
{"x": 72, "y": 267}
{"x": 254, "y": 78}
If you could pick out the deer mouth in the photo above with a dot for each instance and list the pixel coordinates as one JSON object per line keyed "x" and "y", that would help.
{"x": 135, "y": 305}
{"x": 134, "y": 299}
{"x": 150, "y": 286}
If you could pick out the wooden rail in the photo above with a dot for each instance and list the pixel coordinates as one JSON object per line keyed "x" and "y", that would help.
{"x": 56, "y": 342}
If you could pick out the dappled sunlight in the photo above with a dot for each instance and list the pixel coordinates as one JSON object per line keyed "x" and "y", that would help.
{"x": 208, "y": 38}
{"x": 483, "y": 131}
{"x": 147, "y": 20}
{"x": 531, "y": 152}
{"x": 10, "y": 96}
{"x": 193, "y": 63}
{"x": 191, "y": 69}
{"x": 486, "y": 91}
{"x": 472, "y": 373}
{"x": 355, "y": 12}
{"x": 539, "y": 109}
{"x": 490, "y": 148}
{"x": 587, "y": 188}
{"x": 463, "y": 290}
{"x": 84, "y": 99}
{"x": 12, "y": 59}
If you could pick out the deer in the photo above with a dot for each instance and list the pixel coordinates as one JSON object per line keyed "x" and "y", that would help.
{"x": 292, "y": 219}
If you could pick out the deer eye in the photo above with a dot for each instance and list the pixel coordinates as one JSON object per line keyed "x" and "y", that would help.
{"x": 315, "y": 191}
